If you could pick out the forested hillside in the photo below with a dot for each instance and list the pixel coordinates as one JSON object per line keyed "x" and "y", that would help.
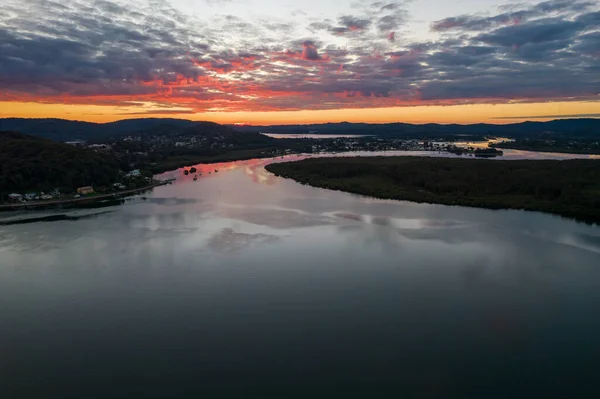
{"x": 31, "y": 163}
{"x": 66, "y": 130}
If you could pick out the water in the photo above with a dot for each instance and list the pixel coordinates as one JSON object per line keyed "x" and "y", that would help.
{"x": 313, "y": 136}
{"x": 242, "y": 284}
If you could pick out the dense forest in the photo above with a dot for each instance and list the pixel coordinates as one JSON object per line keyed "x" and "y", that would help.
{"x": 568, "y": 188}
{"x": 31, "y": 163}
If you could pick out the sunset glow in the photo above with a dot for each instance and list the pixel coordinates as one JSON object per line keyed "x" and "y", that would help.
{"x": 483, "y": 61}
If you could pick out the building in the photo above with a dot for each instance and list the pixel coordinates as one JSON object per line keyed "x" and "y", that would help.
{"x": 85, "y": 190}
{"x": 15, "y": 197}
{"x": 99, "y": 147}
{"x": 134, "y": 173}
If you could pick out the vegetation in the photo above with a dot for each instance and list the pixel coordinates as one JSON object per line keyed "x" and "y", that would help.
{"x": 568, "y": 188}
{"x": 564, "y": 145}
{"x": 168, "y": 147}
{"x": 572, "y": 128}
{"x": 175, "y": 162}
{"x": 31, "y": 163}
{"x": 478, "y": 152}
{"x": 65, "y": 130}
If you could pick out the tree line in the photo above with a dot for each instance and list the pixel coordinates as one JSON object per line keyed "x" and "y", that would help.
{"x": 570, "y": 188}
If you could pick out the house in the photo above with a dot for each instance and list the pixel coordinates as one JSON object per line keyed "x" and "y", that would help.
{"x": 119, "y": 186}
{"x": 30, "y": 196}
{"x": 15, "y": 197}
{"x": 134, "y": 173}
{"x": 85, "y": 190}
{"x": 99, "y": 147}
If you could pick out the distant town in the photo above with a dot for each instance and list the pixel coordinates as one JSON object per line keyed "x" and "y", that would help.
{"x": 147, "y": 150}
{"x": 132, "y": 181}
{"x": 58, "y": 160}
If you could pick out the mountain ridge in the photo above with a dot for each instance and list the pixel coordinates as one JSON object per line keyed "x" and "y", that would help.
{"x": 68, "y": 130}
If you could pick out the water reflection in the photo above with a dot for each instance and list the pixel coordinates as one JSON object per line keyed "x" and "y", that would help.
{"x": 241, "y": 278}
{"x": 228, "y": 240}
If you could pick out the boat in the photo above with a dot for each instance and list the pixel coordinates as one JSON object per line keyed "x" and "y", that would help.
{"x": 195, "y": 177}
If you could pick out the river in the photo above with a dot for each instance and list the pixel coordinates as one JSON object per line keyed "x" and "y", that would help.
{"x": 242, "y": 284}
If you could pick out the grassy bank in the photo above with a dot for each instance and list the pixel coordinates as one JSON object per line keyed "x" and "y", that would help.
{"x": 567, "y": 188}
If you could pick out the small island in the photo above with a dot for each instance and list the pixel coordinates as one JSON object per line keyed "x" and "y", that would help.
{"x": 567, "y": 188}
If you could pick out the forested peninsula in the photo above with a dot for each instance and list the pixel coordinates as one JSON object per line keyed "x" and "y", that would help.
{"x": 569, "y": 188}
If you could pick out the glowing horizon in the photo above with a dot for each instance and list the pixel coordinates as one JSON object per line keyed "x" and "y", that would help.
{"x": 358, "y": 61}
{"x": 461, "y": 114}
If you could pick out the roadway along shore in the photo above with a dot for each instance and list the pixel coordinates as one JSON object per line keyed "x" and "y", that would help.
{"x": 40, "y": 204}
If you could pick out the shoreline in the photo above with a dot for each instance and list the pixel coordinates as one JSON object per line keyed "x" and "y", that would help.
{"x": 52, "y": 203}
{"x": 343, "y": 175}
{"x": 548, "y": 150}
{"x": 220, "y": 159}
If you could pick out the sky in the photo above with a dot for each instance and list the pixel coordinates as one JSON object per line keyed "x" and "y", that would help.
{"x": 310, "y": 61}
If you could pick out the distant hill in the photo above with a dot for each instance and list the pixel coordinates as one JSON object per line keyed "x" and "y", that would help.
{"x": 33, "y": 163}
{"x": 575, "y": 128}
{"x": 65, "y": 130}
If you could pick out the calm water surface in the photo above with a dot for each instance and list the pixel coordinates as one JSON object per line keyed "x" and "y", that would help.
{"x": 313, "y": 136}
{"x": 242, "y": 284}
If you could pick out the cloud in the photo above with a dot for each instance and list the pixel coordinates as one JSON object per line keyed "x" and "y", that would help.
{"x": 551, "y": 116}
{"x": 310, "y": 51}
{"x": 354, "y": 23}
{"x": 539, "y": 31}
{"x": 139, "y": 53}
{"x": 512, "y": 17}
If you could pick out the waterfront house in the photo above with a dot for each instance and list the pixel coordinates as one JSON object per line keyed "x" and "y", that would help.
{"x": 85, "y": 190}
{"x": 15, "y": 197}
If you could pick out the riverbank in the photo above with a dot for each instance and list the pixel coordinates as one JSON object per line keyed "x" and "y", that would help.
{"x": 547, "y": 148}
{"x": 568, "y": 188}
{"x": 81, "y": 200}
{"x": 174, "y": 163}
